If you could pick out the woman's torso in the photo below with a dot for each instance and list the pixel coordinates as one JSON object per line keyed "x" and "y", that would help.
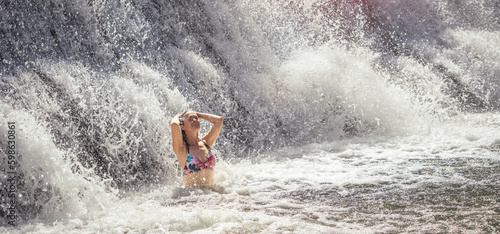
{"x": 198, "y": 168}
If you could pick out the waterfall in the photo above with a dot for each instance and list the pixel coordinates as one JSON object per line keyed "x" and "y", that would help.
{"x": 92, "y": 85}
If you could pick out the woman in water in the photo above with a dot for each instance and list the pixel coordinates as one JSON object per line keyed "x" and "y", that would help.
{"x": 194, "y": 153}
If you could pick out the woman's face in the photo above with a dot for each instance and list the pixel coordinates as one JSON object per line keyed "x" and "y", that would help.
{"x": 191, "y": 121}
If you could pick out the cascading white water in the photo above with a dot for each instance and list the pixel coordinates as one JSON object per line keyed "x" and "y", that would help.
{"x": 92, "y": 85}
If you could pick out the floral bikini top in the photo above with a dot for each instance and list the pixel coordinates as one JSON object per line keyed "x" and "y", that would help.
{"x": 194, "y": 164}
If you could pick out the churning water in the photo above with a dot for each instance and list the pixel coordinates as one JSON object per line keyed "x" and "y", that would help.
{"x": 349, "y": 116}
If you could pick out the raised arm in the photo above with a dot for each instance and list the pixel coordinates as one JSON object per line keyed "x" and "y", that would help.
{"x": 214, "y": 131}
{"x": 177, "y": 141}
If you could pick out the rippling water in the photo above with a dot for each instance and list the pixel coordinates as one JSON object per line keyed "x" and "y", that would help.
{"x": 442, "y": 181}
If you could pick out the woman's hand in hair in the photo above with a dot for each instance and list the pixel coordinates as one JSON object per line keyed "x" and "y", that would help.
{"x": 214, "y": 131}
{"x": 176, "y": 120}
